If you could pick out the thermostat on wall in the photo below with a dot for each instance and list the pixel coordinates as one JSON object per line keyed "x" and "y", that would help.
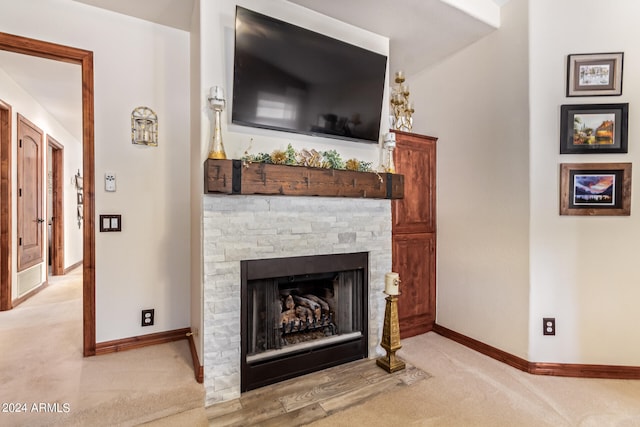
{"x": 110, "y": 181}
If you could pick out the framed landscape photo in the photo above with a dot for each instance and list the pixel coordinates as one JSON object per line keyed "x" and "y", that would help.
{"x": 594, "y": 74}
{"x": 594, "y": 128}
{"x": 595, "y": 189}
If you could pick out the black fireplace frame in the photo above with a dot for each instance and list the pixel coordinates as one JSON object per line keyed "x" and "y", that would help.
{"x": 258, "y": 374}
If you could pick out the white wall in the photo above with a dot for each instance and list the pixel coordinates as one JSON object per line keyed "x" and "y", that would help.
{"x": 24, "y": 104}
{"x": 476, "y": 103}
{"x": 506, "y": 258}
{"x": 135, "y": 63}
{"x": 196, "y": 182}
{"x": 583, "y": 270}
{"x": 494, "y": 106}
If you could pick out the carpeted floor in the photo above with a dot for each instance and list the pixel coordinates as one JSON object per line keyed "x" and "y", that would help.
{"x": 45, "y": 380}
{"x": 41, "y": 363}
{"x": 470, "y": 389}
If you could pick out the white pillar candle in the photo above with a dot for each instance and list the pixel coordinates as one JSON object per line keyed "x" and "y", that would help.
{"x": 216, "y": 92}
{"x": 392, "y": 283}
{"x": 390, "y": 139}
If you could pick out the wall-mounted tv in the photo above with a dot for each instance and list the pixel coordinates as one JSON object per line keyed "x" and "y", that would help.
{"x": 291, "y": 79}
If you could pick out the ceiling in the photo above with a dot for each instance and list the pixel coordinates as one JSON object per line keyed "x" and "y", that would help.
{"x": 172, "y": 13}
{"x": 421, "y": 33}
{"x": 55, "y": 85}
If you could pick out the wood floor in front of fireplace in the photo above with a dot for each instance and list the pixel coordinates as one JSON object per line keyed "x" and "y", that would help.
{"x": 304, "y": 399}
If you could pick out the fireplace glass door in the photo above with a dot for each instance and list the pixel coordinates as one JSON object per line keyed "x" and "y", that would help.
{"x": 302, "y": 313}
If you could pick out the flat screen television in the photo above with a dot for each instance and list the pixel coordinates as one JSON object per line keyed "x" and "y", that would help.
{"x": 291, "y": 79}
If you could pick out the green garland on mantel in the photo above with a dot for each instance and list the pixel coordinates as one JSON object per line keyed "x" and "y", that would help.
{"x": 330, "y": 159}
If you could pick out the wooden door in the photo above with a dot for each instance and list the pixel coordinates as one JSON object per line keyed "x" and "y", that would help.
{"x": 414, "y": 233}
{"x": 56, "y": 215}
{"x": 30, "y": 218}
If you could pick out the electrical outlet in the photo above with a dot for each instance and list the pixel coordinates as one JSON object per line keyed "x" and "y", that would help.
{"x": 549, "y": 326}
{"x": 147, "y": 317}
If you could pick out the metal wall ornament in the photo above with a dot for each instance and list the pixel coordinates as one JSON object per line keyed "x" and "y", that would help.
{"x": 401, "y": 108}
{"x": 79, "y": 196}
{"x": 144, "y": 127}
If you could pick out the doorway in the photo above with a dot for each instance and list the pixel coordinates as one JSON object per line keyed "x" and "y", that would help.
{"x": 55, "y": 207}
{"x": 84, "y": 58}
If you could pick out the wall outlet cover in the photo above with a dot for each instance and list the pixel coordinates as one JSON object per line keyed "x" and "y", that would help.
{"x": 549, "y": 326}
{"x": 148, "y": 317}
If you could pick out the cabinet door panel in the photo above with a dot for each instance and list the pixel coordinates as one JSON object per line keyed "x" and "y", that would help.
{"x": 414, "y": 260}
{"x": 415, "y": 158}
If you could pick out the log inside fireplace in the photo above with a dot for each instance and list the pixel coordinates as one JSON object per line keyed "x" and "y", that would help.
{"x": 302, "y": 314}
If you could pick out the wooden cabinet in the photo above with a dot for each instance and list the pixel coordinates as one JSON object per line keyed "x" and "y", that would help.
{"x": 414, "y": 232}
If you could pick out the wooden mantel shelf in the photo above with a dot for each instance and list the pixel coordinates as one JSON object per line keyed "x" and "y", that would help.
{"x": 234, "y": 177}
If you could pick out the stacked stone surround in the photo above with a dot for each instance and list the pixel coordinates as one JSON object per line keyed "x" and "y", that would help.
{"x": 237, "y": 228}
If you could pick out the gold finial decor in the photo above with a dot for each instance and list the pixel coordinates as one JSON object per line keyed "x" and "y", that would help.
{"x": 217, "y": 104}
{"x": 391, "y": 329}
{"x": 401, "y": 108}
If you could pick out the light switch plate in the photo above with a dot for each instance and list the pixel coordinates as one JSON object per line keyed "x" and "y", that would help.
{"x": 110, "y": 223}
{"x": 110, "y": 181}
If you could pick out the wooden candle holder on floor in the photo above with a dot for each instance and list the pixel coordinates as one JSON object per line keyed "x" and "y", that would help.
{"x": 391, "y": 337}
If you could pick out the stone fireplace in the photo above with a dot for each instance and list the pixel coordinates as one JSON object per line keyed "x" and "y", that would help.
{"x": 240, "y": 230}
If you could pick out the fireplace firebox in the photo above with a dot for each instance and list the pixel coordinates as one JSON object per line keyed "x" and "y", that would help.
{"x": 302, "y": 314}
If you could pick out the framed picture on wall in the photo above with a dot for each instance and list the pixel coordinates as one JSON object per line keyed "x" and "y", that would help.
{"x": 79, "y": 181}
{"x": 593, "y": 128}
{"x": 595, "y": 189}
{"x": 594, "y": 74}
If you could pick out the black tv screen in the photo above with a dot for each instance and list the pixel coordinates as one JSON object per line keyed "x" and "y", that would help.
{"x": 292, "y": 79}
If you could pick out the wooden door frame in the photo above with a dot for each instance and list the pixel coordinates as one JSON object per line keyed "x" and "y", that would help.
{"x": 5, "y": 206}
{"x": 57, "y": 209}
{"x": 84, "y": 58}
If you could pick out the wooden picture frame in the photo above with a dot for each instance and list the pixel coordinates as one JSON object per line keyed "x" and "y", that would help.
{"x": 594, "y": 128}
{"x": 595, "y": 189}
{"x": 595, "y": 74}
